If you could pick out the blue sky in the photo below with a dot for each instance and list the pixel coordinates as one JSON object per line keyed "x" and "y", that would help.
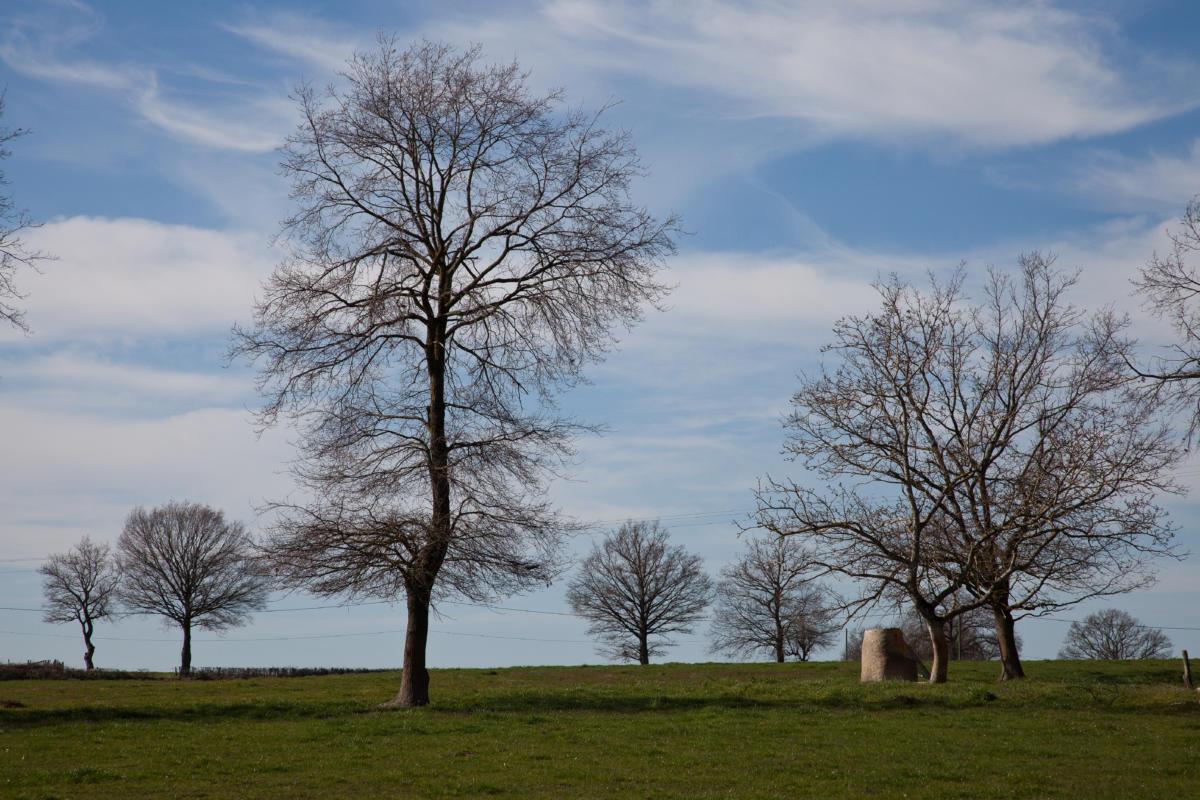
{"x": 808, "y": 147}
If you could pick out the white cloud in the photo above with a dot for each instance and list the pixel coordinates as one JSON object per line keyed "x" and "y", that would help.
{"x": 981, "y": 73}
{"x": 68, "y": 473}
{"x": 135, "y": 277}
{"x": 1159, "y": 180}
{"x": 769, "y": 290}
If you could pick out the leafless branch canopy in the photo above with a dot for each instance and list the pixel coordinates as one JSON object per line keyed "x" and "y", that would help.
{"x": 1114, "y": 635}
{"x": 995, "y": 448}
{"x": 185, "y": 562}
{"x": 768, "y": 603}
{"x": 636, "y": 589}
{"x": 1170, "y": 285}
{"x": 461, "y": 247}
{"x": 345, "y": 547}
{"x": 80, "y": 586}
{"x": 14, "y": 253}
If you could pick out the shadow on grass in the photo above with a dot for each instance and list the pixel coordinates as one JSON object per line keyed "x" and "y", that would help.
{"x": 1098, "y": 696}
{"x": 527, "y": 703}
{"x": 198, "y": 713}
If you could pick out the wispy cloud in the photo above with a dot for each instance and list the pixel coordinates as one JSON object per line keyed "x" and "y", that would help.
{"x": 253, "y": 125}
{"x": 981, "y": 73}
{"x": 301, "y": 38}
{"x": 1129, "y": 183}
{"x": 242, "y": 117}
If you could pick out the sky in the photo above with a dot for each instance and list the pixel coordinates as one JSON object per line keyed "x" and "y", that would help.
{"x": 808, "y": 148}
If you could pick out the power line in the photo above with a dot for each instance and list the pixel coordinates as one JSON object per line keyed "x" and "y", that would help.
{"x": 297, "y": 638}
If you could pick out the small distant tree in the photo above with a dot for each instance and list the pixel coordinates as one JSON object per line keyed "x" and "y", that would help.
{"x": 14, "y": 253}
{"x": 186, "y": 563}
{"x": 767, "y": 603}
{"x": 80, "y": 586}
{"x": 636, "y": 589}
{"x": 1114, "y": 635}
{"x": 812, "y": 623}
{"x": 852, "y": 649}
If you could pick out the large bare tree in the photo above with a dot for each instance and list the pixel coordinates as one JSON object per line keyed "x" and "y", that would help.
{"x": 80, "y": 586}
{"x": 636, "y": 589}
{"x": 1114, "y": 635}
{"x": 14, "y": 252}
{"x": 463, "y": 247}
{"x": 185, "y": 562}
{"x": 767, "y": 602}
{"x": 989, "y": 455}
{"x": 1170, "y": 284}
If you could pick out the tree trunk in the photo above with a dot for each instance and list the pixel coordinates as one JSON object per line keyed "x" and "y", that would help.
{"x": 185, "y": 655}
{"x": 89, "y": 648}
{"x": 1006, "y": 636}
{"x": 780, "y": 655}
{"x": 643, "y": 649}
{"x": 414, "y": 679}
{"x": 941, "y": 650}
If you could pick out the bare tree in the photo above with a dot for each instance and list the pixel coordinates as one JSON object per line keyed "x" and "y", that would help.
{"x": 852, "y": 649}
{"x": 462, "y": 249}
{"x": 996, "y": 453}
{"x": 812, "y": 623}
{"x": 185, "y": 562}
{"x": 1170, "y": 285}
{"x": 80, "y": 586}
{"x": 14, "y": 253}
{"x": 636, "y": 590}
{"x": 1114, "y": 635}
{"x": 766, "y": 602}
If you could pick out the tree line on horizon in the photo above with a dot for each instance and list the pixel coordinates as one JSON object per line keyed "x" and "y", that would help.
{"x": 462, "y": 247}
{"x": 185, "y": 563}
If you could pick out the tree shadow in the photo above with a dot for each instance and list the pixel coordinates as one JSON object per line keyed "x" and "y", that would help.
{"x": 31, "y": 717}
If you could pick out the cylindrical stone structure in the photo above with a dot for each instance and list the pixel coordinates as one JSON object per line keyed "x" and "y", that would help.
{"x": 886, "y": 656}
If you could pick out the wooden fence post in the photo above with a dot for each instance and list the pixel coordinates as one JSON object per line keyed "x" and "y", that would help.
{"x": 1187, "y": 671}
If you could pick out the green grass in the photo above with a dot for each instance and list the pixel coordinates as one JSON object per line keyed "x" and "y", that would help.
{"x": 713, "y": 730}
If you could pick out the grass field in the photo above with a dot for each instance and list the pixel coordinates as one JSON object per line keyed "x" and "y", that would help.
{"x": 714, "y": 730}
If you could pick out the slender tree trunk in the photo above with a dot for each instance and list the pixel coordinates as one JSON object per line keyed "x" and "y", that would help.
{"x": 185, "y": 655}
{"x": 1006, "y": 636}
{"x": 780, "y": 654}
{"x": 89, "y": 648}
{"x": 941, "y": 650}
{"x": 414, "y": 679}
{"x": 643, "y": 649}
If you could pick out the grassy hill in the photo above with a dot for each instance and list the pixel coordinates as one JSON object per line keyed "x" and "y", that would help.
{"x": 679, "y": 730}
